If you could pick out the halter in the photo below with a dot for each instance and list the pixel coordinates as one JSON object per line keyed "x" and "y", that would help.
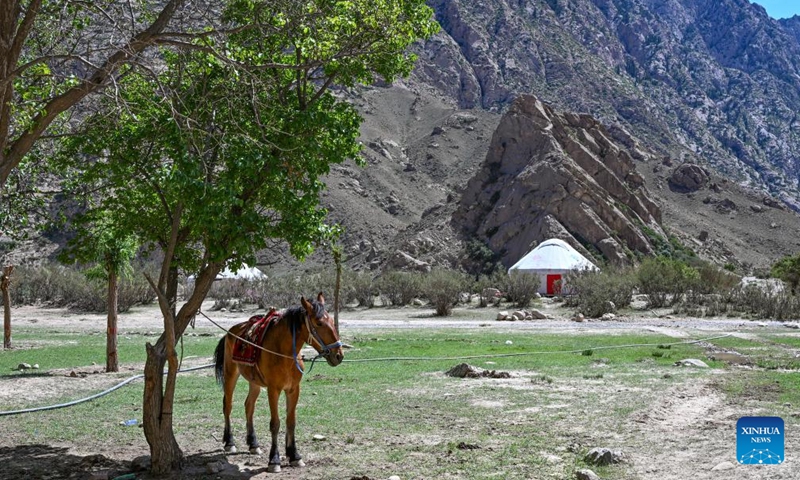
{"x": 312, "y": 333}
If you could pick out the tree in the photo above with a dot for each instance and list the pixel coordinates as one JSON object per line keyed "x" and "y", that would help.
{"x": 112, "y": 252}
{"x": 788, "y": 270}
{"x": 55, "y": 53}
{"x": 214, "y": 157}
{"x": 5, "y": 282}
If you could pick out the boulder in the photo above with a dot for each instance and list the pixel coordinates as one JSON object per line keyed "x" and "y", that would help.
{"x": 586, "y": 474}
{"x": 537, "y": 315}
{"x": 603, "y": 456}
{"x": 403, "y": 261}
{"x": 772, "y": 203}
{"x": 140, "y": 463}
{"x": 691, "y": 362}
{"x": 688, "y": 178}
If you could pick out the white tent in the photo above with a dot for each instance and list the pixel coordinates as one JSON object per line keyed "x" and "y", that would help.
{"x": 245, "y": 272}
{"x": 551, "y": 260}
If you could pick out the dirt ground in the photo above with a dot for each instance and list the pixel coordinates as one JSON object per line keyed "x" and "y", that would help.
{"x": 691, "y": 425}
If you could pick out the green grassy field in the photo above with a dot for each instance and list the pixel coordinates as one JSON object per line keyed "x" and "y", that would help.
{"x": 406, "y": 416}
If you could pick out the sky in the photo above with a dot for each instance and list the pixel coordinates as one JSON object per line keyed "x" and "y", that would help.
{"x": 780, "y": 8}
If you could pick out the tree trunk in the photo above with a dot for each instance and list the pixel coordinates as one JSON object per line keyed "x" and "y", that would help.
{"x": 337, "y": 258}
{"x": 5, "y": 281}
{"x": 112, "y": 359}
{"x": 159, "y": 396}
{"x": 165, "y": 453}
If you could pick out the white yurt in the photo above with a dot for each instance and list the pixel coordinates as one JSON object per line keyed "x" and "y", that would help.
{"x": 552, "y": 260}
{"x": 245, "y": 272}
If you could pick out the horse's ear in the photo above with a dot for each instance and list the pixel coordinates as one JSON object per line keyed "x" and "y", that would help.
{"x": 320, "y": 298}
{"x": 305, "y": 303}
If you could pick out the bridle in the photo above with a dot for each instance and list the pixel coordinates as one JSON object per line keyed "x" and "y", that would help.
{"x": 327, "y": 349}
{"x": 312, "y": 333}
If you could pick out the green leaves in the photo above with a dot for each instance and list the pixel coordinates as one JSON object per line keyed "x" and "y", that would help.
{"x": 240, "y": 132}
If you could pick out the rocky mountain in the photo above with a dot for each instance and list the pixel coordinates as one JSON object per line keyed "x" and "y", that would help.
{"x": 708, "y": 83}
{"x": 715, "y": 82}
{"x": 634, "y": 90}
{"x": 550, "y": 174}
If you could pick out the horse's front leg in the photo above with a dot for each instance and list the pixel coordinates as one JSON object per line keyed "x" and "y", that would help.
{"x": 249, "y": 409}
{"x": 274, "y": 427}
{"x": 292, "y": 396}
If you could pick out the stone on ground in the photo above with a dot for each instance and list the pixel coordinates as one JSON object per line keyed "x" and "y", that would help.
{"x": 691, "y": 362}
{"x": 586, "y": 474}
{"x": 603, "y": 456}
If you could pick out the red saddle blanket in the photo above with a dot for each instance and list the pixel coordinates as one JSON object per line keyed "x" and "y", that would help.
{"x": 255, "y": 331}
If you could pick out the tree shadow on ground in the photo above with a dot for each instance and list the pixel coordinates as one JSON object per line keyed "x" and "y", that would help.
{"x": 26, "y": 462}
{"x": 45, "y": 462}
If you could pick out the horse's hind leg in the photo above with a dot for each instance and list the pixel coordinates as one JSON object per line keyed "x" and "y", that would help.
{"x": 229, "y": 384}
{"x": 292, "y": 396}
{"x": 249, "y": 409}
{"x": 274, "y": 427}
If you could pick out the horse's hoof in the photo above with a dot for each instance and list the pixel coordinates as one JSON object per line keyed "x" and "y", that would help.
{"x": 230, "y": 448}
{"x": 274, "y": 468}
{"x": 256, "y": 450}
{"x": 297, "y": 463}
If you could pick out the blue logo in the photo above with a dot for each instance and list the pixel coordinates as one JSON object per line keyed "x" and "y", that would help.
{"x": 759, "y": 441}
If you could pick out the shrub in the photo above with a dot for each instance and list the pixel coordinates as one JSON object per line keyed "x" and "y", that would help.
{"x": 361, "y": 286}
{"x": 788, "y": 270}
{"x": 521, "y": 288}
{"x": 55, "y": 285}
{"x": 277, "y": 291}
{"x": 715, "y": 280}
{"x": 765, "y": 303}
{"x": 665, "y": 281}
{"x": 443, "y": 288}
{"x": 485, "y": 285}
{"x": 595, "y": 293}
{"x": 228, "y": 293}
{"x": 399, "y": 288}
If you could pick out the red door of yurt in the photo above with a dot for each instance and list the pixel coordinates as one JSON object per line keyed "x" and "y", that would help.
{"x": 554, "y": 284}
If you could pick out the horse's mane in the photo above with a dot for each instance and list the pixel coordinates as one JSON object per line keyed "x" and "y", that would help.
{"x": 296, "y": 315}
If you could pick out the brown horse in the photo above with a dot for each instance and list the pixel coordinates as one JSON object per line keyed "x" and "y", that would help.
{"x": 279, "y": 369}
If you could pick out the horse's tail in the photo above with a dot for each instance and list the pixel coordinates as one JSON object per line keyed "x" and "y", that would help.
{"x": 219, "y": 360}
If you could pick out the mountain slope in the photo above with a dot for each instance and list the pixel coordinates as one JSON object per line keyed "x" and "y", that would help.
{"x": 710, "y": 81}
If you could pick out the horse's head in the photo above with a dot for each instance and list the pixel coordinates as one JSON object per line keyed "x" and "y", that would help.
{"x": 322, "y": 331}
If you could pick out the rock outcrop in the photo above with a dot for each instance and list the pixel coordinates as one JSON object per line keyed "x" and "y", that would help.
{"x": 715, "y": 81}
{"x": 688, "y": 178}
{"x": 550, "y": 174}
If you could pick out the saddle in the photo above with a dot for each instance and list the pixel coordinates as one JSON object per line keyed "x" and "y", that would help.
{"x": 255, "y": 331}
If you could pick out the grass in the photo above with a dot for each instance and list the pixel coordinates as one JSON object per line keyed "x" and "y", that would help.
{"x": 403, "y": 417}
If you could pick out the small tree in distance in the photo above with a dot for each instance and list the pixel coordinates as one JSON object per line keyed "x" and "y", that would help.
{"x": 111, "y": 250}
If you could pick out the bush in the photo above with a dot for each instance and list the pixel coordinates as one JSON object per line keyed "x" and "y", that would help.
{"x": 665, "y": 281}
{"x": 521, "y": 288}
{"x": 278, "y": 291}
{"x": 229, "y": 293}
{"x": 715, "y": 280}
{"x": 788, "y": 270}
{"x": 443, "y": 288}
{"x": 765, "y": 303}
{"x": 595, "y": 293}
{"x": 57, "y": 286}
{"x": 487, "y": 283}
{"x": 361, "y": 287}
{"x": 399, "y": 288}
